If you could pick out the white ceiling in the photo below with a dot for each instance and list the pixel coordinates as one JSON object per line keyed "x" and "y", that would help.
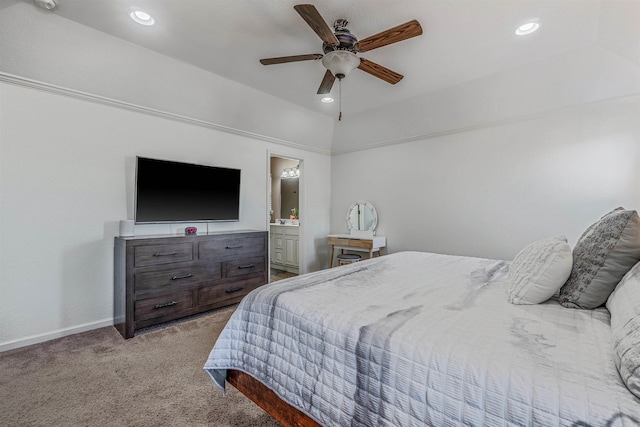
{"x": 463, "y": 40}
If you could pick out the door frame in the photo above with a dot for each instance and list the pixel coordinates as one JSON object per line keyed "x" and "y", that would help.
{"x": 302, "y": 203}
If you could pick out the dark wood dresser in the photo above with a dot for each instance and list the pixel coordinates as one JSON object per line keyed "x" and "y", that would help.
{"x": 162, "y": 278}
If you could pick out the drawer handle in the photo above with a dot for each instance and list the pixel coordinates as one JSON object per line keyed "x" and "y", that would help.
{"x": 235, "y": 247}
{"x": 165, "y": 254}
{"x": 186, "y": 276}
{"x": 241, "y": 267}
{"x": 167, "y": 304}
{"x": 232, "y": 290}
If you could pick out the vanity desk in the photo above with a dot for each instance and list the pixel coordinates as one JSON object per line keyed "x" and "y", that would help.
{"x": 362, "y": 220}
{"x": 347, "y": 241}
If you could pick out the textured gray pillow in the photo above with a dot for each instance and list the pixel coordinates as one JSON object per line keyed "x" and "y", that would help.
{"x": 624, "y": 305}
{"x": 603, "y": 255}
{"x": 539, "y": 270}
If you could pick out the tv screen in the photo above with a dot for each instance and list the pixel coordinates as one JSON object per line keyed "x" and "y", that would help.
{"x": 168, "y": 191}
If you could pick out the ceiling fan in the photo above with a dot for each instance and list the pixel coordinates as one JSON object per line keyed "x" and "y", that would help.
{"x": 340, "y": 48}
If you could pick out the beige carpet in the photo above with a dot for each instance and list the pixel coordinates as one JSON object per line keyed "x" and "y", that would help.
{"x": 280, "y": 274}
{"x": 99, "y": 379}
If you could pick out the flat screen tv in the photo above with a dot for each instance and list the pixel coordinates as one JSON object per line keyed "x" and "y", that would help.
{"x": 168, "y": 191}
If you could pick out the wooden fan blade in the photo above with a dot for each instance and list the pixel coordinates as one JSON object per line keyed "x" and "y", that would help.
{"x": 392, "y": 35}
{"x": 327, "y": 83}
{"x": 379, "y": 71}
{"x": 313, "y": 18}
{"x": 293, "y": 58}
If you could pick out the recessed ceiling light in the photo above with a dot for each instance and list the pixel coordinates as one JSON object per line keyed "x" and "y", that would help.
{"x": 142, "y": 17}
{"x": 527, "y": 28}
{"x": 327, "y": 100}
{"x": 46, "y": 4}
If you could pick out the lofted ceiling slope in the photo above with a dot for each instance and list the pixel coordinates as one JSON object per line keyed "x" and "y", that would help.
{"x": 462, "y": 41}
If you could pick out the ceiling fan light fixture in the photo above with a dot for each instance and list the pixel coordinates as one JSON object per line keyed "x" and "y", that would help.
{"x": 340, "y": 62}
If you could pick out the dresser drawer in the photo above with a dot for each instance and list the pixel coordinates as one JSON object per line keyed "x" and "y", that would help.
{"x": 231, "y": 246}
{"x": 356, "y": 243}
{"x": 216, "y": 293}
{"x": 160, "y": 279}
{"x": 162, "y": 254}
{"x": 163, "y": 306}
{"x": 243, "y": 266}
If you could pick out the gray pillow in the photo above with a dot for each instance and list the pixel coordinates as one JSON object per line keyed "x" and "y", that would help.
{"x": 624, "y": 305}
{"x": 602, "y": 256}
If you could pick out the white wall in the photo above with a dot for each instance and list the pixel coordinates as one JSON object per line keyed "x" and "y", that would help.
{"x": 491, "y": 190}
{"x": 489, "y": 165}
{"x": 555, "y": 83}
{"x": 66, "y": 169}
{"x": 46, "y": 47}
{"x": 76, "y": 107}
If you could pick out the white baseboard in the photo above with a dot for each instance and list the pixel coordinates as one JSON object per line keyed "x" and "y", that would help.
{"x": 36, "y": 339}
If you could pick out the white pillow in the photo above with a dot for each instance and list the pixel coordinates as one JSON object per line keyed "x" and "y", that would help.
{"x": 539, "y": 270}
{"x": 624, "y": 306}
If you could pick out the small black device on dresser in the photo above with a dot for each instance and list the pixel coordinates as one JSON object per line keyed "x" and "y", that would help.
{"x": 162, "y": 278}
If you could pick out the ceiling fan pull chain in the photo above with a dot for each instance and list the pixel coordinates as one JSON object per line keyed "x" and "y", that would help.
{"x": 340, "y": 99}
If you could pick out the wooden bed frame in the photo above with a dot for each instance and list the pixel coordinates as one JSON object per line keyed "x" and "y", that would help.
{"x": 284, "y": 413}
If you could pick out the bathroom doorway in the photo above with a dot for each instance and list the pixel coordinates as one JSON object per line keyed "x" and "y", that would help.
{"x": 284, "y": 216}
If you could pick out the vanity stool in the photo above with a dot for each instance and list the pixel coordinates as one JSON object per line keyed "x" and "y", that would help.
{"x": 344, "y": 259}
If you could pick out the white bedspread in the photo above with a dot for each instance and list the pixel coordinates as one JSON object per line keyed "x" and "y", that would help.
{"x": 415, "y": 339}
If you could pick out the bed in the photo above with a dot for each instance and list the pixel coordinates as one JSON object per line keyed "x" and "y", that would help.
{"x": 415, "y": 339}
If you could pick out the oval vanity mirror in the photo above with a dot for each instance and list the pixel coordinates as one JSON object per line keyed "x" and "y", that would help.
{"x": 362, "y": 217}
